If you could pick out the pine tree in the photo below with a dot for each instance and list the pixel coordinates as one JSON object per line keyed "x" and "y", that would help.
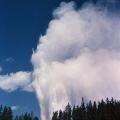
{"x": 103, "y": 110}
{"x": 55, "y": 115}
{"x": 60, "y": 115}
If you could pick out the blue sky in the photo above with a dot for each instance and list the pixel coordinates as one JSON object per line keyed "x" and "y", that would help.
{"x": 21, "y": 24}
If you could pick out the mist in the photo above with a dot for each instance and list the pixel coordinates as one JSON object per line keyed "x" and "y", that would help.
{"x": 79, "y": 56}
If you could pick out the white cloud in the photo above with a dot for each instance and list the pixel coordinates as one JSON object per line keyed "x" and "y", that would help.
{"x": 14, "y": 81}
{"x": 14, "y": 108}
{"x": 78, "y": 56}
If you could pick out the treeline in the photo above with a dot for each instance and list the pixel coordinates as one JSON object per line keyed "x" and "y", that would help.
{"x": 102, "y": 110}
{"x": 6, "y": 113}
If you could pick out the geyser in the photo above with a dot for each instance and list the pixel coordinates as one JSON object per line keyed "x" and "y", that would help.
{"x": 78, "y": 56}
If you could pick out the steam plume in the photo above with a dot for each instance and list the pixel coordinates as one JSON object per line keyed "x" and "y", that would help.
{"x": 78, "y": 56}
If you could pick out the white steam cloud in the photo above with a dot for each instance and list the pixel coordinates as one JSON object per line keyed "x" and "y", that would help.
{"x": 78, "y": 56}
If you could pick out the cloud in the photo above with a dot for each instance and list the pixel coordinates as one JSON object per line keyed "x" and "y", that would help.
{"x": 79, "y": 56}
{"x": 14, "y": 81}
{"x": 14, "y": 108}
{"x": 1, "y": 69}
{"x": 10, "y": 59}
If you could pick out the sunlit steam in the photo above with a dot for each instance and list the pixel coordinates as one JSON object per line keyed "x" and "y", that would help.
{"x": 78, "y": 56}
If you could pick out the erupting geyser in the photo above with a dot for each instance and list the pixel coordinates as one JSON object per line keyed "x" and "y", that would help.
{"x": 78, "y": 56}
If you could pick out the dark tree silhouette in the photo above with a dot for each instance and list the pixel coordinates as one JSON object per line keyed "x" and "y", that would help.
{"x": 7, "y": 114}
{"x": 101, "y": 110}
{"x": 55, "y": 116}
